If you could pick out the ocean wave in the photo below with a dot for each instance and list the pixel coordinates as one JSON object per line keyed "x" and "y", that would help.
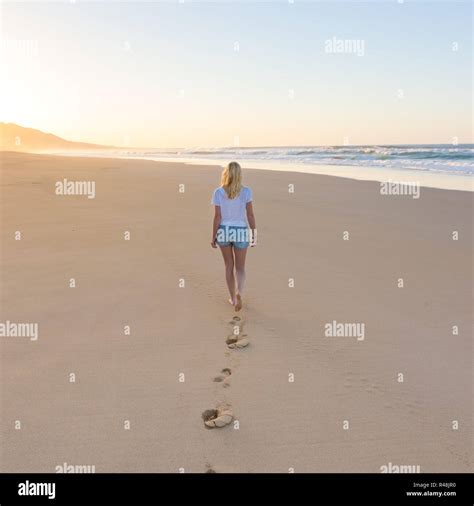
{"x": 436, "y": 158}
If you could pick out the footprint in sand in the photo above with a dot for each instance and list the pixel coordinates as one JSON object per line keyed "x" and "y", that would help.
{"x": 217, "y": 418}
{"x": 237, "y": 341}
{"x": 237, "y": 325}
{"x": 223, "y": 377}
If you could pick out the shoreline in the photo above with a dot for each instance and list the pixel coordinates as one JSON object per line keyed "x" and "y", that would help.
{"x": 422, "y": 179}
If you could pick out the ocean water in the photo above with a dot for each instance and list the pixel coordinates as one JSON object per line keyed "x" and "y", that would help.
{"x": 436, "y": 165}
{"x": 438, "y": 158}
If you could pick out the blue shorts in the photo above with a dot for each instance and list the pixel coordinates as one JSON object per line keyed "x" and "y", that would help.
{"x": 230, "y": 235}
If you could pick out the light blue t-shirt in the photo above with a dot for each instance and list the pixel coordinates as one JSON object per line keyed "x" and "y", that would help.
{"x": 233, "y": 211}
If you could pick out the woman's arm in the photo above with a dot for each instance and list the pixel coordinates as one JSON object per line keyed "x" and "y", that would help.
{"x": 252, "y": 223}
{"x": 215, "y": 225}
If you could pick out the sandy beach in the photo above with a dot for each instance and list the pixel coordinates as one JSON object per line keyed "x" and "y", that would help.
{"x": 303, "y": 400}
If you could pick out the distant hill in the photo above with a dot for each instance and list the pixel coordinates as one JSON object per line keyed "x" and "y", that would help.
{"x": 17, "y": 138}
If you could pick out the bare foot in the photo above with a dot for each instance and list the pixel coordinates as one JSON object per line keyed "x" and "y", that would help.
{"x": 238, "y": 304}
{"x": 231, "y": 302}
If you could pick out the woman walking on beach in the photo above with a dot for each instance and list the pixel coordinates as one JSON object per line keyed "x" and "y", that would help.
{"x": 230, "y": 231}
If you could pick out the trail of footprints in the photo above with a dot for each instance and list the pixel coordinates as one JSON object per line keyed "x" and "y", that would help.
{"x": 222, "y": 415}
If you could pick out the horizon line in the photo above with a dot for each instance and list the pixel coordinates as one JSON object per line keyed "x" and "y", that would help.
{"x": 197, "y": 147}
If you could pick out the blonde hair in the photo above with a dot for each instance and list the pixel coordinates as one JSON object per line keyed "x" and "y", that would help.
{"x": 231, "y": 179}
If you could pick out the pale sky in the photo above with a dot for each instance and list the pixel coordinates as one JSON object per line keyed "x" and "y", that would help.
{"x": 167, "y": 74}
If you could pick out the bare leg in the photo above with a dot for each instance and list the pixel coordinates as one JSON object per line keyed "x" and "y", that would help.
{"x": 240, "y": 255}
{"x": 229, "y": 270}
